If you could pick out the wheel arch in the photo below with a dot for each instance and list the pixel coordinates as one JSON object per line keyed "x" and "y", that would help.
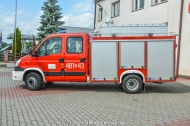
{"x": 132, "y": 72}
{"x": 29, "y": 70}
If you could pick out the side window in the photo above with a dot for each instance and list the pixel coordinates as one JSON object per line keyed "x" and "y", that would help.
{"x": 74, "y": 45}
{"x": 50, "y": 46}
{"x": 42, "y": 49}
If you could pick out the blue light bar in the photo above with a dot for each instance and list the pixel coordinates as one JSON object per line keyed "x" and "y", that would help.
{"x": 62, "y": 31}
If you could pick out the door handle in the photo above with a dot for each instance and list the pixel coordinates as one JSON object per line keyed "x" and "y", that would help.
{"x": 82, "y": 60}
{"x": 62, "y": 72}
{"x": 61, "y": 60}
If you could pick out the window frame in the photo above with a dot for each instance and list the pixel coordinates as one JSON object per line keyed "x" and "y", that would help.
{"x": 113, "y": 9}
{"x": 159, "y": 2}
{"x": 45, "y": 44}
{"x": 136, "y": 5}
{"x": 100, "y": 11}
{"x": 75, "y": 41}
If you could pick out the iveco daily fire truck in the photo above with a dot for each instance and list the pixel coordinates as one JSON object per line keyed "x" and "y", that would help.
{"x": 114, "y": 54}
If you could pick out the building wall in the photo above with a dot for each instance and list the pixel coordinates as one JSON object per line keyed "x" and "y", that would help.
{"x": 23, "y": 45}
{"x": 165, "y": 12}
{"x": 184, "y": 63}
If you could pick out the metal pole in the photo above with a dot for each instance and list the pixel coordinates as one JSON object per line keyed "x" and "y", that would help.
{"x": 15, "y": 29}
{"x": 179, "y": 38}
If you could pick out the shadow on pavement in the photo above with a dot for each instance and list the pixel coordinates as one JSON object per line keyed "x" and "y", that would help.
{"x": 174, "y": 87}
{"x": 80, "y": 87}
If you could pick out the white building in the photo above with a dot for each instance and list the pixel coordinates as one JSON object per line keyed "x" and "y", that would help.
{"x": 175, "y": 12}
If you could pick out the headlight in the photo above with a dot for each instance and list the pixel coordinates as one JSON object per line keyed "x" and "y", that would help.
{"x": 17, "y": 62}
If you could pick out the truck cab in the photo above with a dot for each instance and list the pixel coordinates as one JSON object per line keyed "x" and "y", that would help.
{"x": 58, "y": 58}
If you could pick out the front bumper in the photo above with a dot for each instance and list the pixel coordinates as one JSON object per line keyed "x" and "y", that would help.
{"x": 17, "y": 75}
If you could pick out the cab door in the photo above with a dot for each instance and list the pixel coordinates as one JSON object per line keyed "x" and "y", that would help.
{"x": 50, "y": 59}
{"x": 76, "y": 59}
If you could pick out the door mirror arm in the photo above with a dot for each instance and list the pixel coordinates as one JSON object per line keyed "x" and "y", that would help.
{"x": 31, "y": 52}
{"x": 35, "y": 53}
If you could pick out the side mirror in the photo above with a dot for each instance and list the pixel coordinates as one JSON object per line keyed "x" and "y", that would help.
{"x": 30, "y": 51}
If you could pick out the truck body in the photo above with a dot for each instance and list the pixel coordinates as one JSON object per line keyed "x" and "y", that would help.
{"x": 127, "y": 60}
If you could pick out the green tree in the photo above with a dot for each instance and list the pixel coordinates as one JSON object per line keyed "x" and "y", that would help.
{"x": 3, "y": 45}
{"x": 50, "y": 19}
{"x": 18, "y": 43}
{"x": 28, "y": 45}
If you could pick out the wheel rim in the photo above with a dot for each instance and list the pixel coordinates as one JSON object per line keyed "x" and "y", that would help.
{"x": 132, "y": 84}
{"x": 32, "y": 82}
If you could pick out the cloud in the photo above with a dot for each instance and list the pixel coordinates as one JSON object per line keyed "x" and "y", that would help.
{"x": 9, "y": 20}
{"x": 25, "y": 22}
{"x": 29, "y": 26}
{"x": 28, "y": 21}
{"x": 1, "y": 6}
{"x": 82, "y": 20}
{"x": 86, "y": 5}
{"x": 6, "y": 23}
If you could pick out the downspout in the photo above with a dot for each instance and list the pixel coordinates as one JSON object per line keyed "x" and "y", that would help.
{"x": 179, "y": 38}
{"x": 94, "y": 14}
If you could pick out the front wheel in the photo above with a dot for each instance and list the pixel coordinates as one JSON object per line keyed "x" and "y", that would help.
{"x": 132, "y": 84}
{"x": 33, "y": 81}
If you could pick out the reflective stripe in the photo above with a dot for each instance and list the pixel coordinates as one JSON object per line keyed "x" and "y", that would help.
{"x": 64, "y": 74}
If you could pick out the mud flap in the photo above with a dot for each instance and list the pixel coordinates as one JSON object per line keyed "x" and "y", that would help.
{"x": 43, "y": 85}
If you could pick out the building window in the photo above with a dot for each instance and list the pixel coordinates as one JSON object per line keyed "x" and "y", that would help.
{"x": 115, "y": 9}
{"x": 138, "y": 4}
{"x": 158, "y": 1}
{"x": 100, "y": 15}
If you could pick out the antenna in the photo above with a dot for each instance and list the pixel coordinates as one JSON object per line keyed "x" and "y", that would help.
{"x": 101, "y": 7}
{"x": 106, "y": 18}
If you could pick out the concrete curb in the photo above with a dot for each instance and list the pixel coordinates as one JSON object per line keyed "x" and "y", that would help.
{"x": 9, "y": 65}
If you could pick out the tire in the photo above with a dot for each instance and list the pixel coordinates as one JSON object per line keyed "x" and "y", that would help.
{"x": 132, "y": 84}
{"x": 50, "y": 83}
{"x": 33, "y": 81}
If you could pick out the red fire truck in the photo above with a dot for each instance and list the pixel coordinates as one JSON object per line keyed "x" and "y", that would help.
{"x": 77, "y": 57}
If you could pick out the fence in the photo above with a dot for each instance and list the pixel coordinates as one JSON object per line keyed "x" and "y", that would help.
{"x": 10, "y": 56}
{"x": 1, "y": 56}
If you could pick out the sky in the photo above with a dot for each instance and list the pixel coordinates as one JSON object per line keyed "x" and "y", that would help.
{"x": 78, "y": 13}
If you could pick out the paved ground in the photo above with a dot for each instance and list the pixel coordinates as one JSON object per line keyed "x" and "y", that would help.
{"x": 93, "y": 104}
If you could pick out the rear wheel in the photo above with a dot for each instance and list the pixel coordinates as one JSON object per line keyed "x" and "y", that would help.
{"x": 33, "y": 81}
{"x": 132, "y": 84}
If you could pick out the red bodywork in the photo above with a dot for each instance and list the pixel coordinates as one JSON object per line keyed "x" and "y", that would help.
{"x": 68, "y": 71}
